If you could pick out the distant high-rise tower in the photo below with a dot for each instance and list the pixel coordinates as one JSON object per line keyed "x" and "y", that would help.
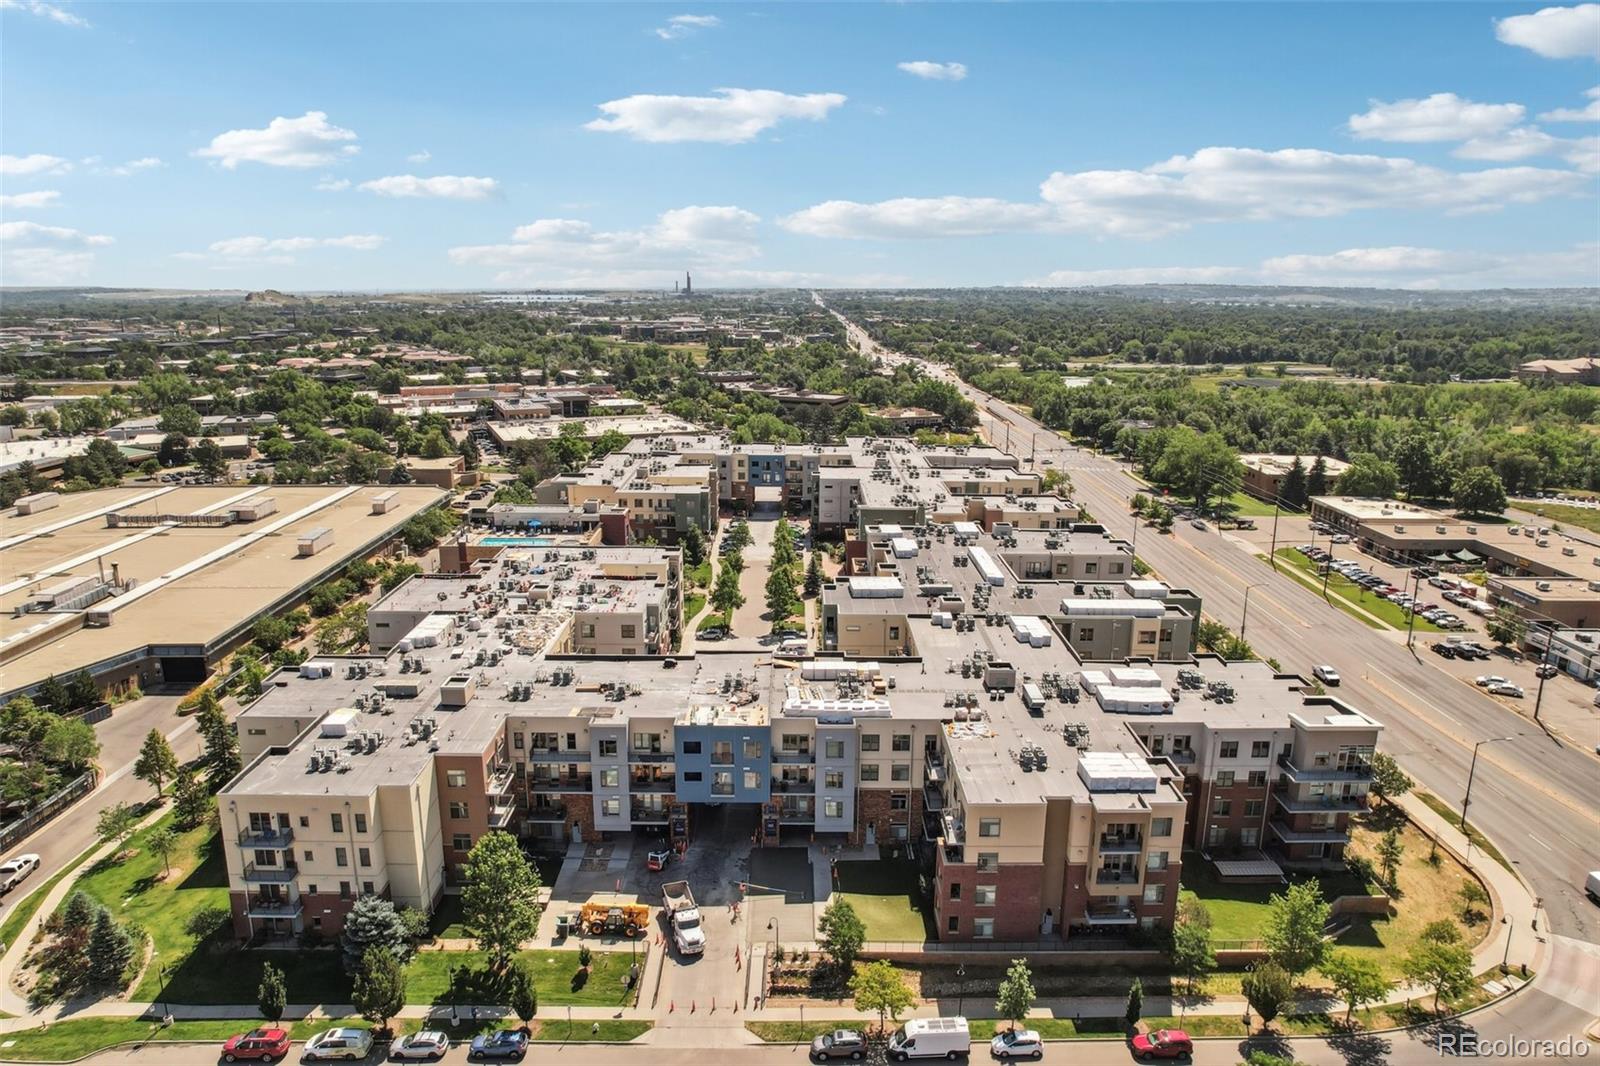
{"x": 688, "y": 284}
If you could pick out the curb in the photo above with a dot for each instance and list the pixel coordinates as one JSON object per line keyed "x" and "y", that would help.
{"x": 133, "y": 1045}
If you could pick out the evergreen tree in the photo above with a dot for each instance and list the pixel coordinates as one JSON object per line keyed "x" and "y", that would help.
{"x": 108, "y": 952}
{"x": 156, "y": 763}
{"x": 373, "y": 922}
{"x": 272, "y": 996}
{"x": 1293, "y": 492}
{"x": 1389, "y": 852}
{"x": 80, "y": 912}
{"x": 780, "y": 595}
{"x": 814, "y": 575}
{"x": 53, "y": 695}
{"x": 693, "y": 543}
{"x": 190, "y": 801}
{"x": 221, "y": 745}
{"x": 1317, "y": 480}
{"x": 1135, "y": 1007}
{"x": 1268, "y": 989}
{"x": 82, "y": 692}
{"x": 725, "y": 595}
{"x": 522, "y": 995}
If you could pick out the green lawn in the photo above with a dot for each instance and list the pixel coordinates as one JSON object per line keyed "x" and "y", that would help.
{"x": 75, "y": 1038}
{"x": 701, "y": 575}
{"x": 1391, "y": 614}
{"x": 428, "y": 978}
{"x": 1248, "y": 506}
{"x": 1581, "y": 517}
{"x": 885, "y": 896}
{"x": 1453, "y": 815}
{"x": 692, "y": 604}
{"x": 611, "y": 1031}
{"x": 1238, "y": 911}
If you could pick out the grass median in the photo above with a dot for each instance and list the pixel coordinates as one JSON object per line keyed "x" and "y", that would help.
{"x": 1347, "y": 594}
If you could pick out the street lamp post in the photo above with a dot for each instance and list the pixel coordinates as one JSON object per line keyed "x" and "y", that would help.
{"x": 1467, "y": 798}
{"x": 1244, "y": 616}
{"x": 961, "y": 989}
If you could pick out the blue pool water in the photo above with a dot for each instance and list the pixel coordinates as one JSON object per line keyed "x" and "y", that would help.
{"x": 509, "y": 542}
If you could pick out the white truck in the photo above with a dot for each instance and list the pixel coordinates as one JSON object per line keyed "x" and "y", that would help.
{"x": 931, "y": 1038}
{"x": 684, "y": 916}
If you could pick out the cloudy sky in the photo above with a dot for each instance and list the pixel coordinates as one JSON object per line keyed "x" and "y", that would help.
{"x": 364, "y": 146}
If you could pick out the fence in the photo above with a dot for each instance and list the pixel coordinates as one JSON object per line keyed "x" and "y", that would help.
{"x": 22, "y": 827}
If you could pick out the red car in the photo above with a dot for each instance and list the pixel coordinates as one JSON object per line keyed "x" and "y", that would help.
{"x": 1163, "y": 1044}
{"x": 261, "y": 1044}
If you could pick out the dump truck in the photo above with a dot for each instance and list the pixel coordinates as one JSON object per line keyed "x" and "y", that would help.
{"x": 687, "y": 930}
{"x": 624, "y": 919}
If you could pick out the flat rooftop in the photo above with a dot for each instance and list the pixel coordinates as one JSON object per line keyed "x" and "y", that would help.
{"x": 628, "y": 425}
{"x": 192, "y": 586}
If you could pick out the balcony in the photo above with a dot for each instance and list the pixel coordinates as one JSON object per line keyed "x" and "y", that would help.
{"x": 500, "y": 815}
{"x": 1120, "y": 875}
{"x": 1121, "y": 843}
{"x": 795, "y": 814}
{"x": 1109, "y": 915}
{"x": 564, "y": 783}
{"x": 932, "y": 799}
{"x": 795, "y": 787}
{"x": 1321, "y": 804}
{"x": 1181, "y": 758}
{"x": 787, "y": 755}
{"x": 641, "y": 812}
{"x": 270, "y": 875}
{"x": 1307, "y": 836}
{"x": 652, "y": 755}
{"x": 1323, "y": 773}
{"x": 653, "y": 784}
{"x": 722, "y": 758}
{"x": 554, "y": 813}
{"x": 267, "y": 907}
{"x": 499, "y": 780}
{"x": 557, "y": 755}
{"x": 278, "y": 838}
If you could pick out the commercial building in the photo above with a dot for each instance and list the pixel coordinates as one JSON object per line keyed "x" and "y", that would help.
{"x": 1581, "y": 371}
{"x": 1571, "y": 602}
{"x": 1264, "y": 474}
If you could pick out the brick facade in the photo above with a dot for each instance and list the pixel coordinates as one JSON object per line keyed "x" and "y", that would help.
{"x": 580, "y": 813}
{"x": 1017, "y": 910}
{"x": 1202, "y": 797}
{"x": 874, "y": 807}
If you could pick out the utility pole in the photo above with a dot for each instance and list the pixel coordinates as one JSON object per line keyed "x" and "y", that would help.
{"x": 1411, "y": 612}
{"x": 1544, "y": 661}
{"x": 1244, "y": 616}
{"x": 1272, "y": 552}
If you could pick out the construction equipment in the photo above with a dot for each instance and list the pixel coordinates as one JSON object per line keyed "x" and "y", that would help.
{"x": 624, "y": 919}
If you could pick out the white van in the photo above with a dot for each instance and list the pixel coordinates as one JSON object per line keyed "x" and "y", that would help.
{"x": 930, "y": 1038}
{"x": 1592, "y": 886}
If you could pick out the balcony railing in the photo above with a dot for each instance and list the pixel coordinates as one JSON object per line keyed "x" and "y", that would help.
{"x": 270, "y": 875}
{"x": 644, "y": 813}
{"x": 722, "y": 758}
{"x": 1102, "y": 915}
{"x": 1121, "y": 842}
{"x": 1321, "y": 804}
{"x": 1118, "y": 876}
{"x": 656, "y": 784}
{"x": 580, "y": 783}
{"x": 1325, "y": 835}
{"x": 792, "y": 786}
{"x": 266, "y": 907}
{"x": 280, "y": 837}
{"x": 499, "y": 781}
{"x": 557, "y": 813}
{"x": 788, "y": 814}
{"x": 1323, "y": 773}
{"x": 651, "y": 756}
{"x": 500, "y": 815}
{"x": 788, "y": 755}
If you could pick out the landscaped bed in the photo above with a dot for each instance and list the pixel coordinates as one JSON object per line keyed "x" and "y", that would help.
{"x": 556, "y": 973}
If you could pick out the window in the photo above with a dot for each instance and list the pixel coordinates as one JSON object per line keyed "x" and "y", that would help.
{"x": 344, "y": 889}
{"x": 1158, "y": 745}
{"x": 722, "y": 783}
{"x": 366, "y": 888}
{"x": 983, "y": 928}
{"x": 1228, "y": 750}
{"x": 517, "y": 741}
{"x": 341, "y": 857}
{"x": 1161, "y": 827}
{"x": 1249, "y": 837}
{"x": 629, "y": 631}
{"x": 266, "y": 858}
{"x": 1156, "y": 860}
{"x": 988, "y": 861}
{"x": 954, "y": 924}
{"x": 461, "y": 842}
{"x": 586, "y": 629}
{"x": 1155, "y": 893}
{"x": 458, "y": 810}
{"x": 1253, "y": 808}
{"x": 306, "y": 855}
{"x": 894, "y": 632}
{"x": 1085, "y": 634}
{"x": 1224, "y": 778}
{"x": 305, "y": 822}
{"x": 610, "y": 778}
{"x": 1147, "y": 637}
{"x": 900, "y": 771}
{"x": 338, "y": 822}
{"x": 1260, "y": 749}
{"x": 988, "y": 827}
{"x": 364, "y": 856}
{"x": 1257, "y": 779}
{"x": 870, "y": 741}
{"x": 752, "y": 749}
{"x": 608, "y": 748}
{"x": 612, "y": 807}
{"x": 833, "y": 749}
{"x": 752, "y": 781}
{"x": 361, "y": 823}
{"x": 452, "y": 778}
{"x": 1216, "y": 835}
{"x": 869, "y": 771}
{"x": 1090, "y": 569}
{"x": 1222, "y": 807}
{"x": 833, "y": 779}
{"x": 955, "y": 889}
{"x": 692, "y": 747}
{"x": 693, "y": 775}
{"x": 902, "y": 742}
{"x": 984, "y": 895}
{"x": 833, "y": 808}
{"x": 722, "y": 751}
{"x": 899, "y": 801}
{"x": 311, "y": 890}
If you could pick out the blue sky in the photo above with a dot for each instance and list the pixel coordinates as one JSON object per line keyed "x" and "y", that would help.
{"x": 369, "y": 146}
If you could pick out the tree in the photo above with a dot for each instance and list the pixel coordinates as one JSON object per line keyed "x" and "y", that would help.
{"x": 271, "y": 994}
{"x": 1317, "y": 479}
{"x": 1369, "y": 475}
{"x": 609, "y": 441}
{"x": 208, "y": 458}
{"x": 1268, "y": 989}
{"x": 813, "y": 587}
{"x": 434, "y": 446}
{"x": 1358, "y": 980}
{"x": 1295, "y": 921}
{"x": 1192, "y": 954}
{"x": 693, "y": 543}
{"x": 877, "y": 986}
{"x": 1197, "y": 465}
{"x": 1479, "y": 490}
{"x": 174, "y": 450}
{"x": 1388, "y": 780}
{"x": 116, "y": 823}
{"x": 108, "y": 953}
{"x": 190, "y": 801}
{"x": 164, "y": 842}
{"x": 1015, "y": 997}
{"x": 1390, "y": 849}
{"x": 522, "y": 994}
{"x": 840, "y": 932}
{"x": 1135, "y": 1005}
{"x": 220, "y": 754}
{"x": 1444, "y": 966}
{"x": 1292, "y": 493}
{"x": 179, "y": 419}
{"x": 271, "y": 632}
{"x": 468, "y": 450}
{"x": 52, "y": 693}
{"x": 1417, "y": 460}
{"x": 1506, "y": 626}
{"x": 373, "y": 922}
{"x": 725, "y": 595}
{"x": 379, "y": 992}
{"x": 780, "y": 595}
{"x": 1441, "y": 931}
{"x": 70, "y": 743}
{"x": 499, "y": 900}
{"x": 156, "y": 764}
{"x": 1473, "y": 899}
{"x": 82, "y": 692}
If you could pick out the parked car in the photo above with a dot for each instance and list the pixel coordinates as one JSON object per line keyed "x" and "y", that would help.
{"x": 1444, "y": 648}
{"x": 1199, "y": 524}
{"x": 839, "y": 1044}
{"x": 1506, "y": 688}
{"x": 1326, "y": 674}
{"x": 712, "y": 633}
{"x": 15, "y": 869}
{"x": 1546, "y": 670}
{"x": 353, "y": 1044}
{"x": 1017, "y": 1044}
{"x": 262, "y": 1045}
{"x": 505, "y": 1045}
{"x": 1163, "y": 1044}
{"x": 1486, "y": 680}
{"x": 1341, "y": 538}
{"x": 429, "y": 1045}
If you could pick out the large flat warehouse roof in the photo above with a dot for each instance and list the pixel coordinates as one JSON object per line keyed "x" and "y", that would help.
{"x": 189, "y": 586}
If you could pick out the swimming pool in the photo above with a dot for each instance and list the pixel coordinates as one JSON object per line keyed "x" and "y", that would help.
{"x": 515, "y": 542}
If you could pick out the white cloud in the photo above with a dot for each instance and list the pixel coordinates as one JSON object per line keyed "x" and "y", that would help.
{"x": 134, "y": 166}
{"x": 307, "y": 141}
{"x": 1588, "y": 113}
{"x": 443, "y": 187}
{"x": 25, "y": 166}
{"x": 332, "y": 184}
{"x": 419, "y": 157}
{"x": 1555, "y": 32}
{"x": 571, "y": 252}
{"x": 1524, "y": 142}
{"x": 23, "y": 201}
{"x": 733, "y": 116}
{"x": 34, "y": 254}
{"x": 683, "y": 25}
{"x": 233, "y": 251}
{"x": 931, "y": 71}
{"x": 53, "y": 12}
{"x": 1201, "y": 275}
{"x": 1212, "y": 185}
{"x": 1440, "y": 117}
